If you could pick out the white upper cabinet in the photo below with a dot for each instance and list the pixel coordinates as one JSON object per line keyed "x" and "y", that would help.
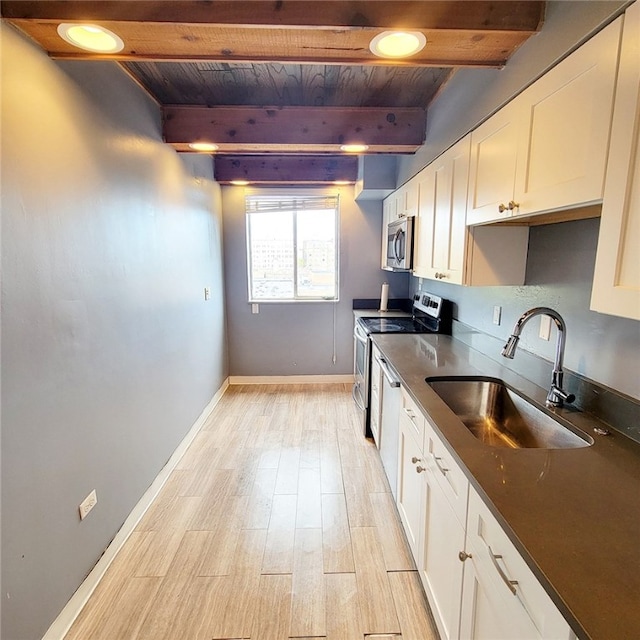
{"x": 547, "y": 149}
{"x": 445, "y": 248}
{"x": 442, "y": 203}
{"x": 407, "y": 199}
{"x": 423, "y": 238}
{"x": 494, "y": 147}
{"x": 616, "y": 284}
{"x": 565, "y": 129}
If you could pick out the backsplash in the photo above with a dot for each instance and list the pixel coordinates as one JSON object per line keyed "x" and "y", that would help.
{"x": 561, "y": 258}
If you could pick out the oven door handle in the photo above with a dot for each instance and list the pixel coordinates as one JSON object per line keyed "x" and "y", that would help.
{"x": 393, "y": 381}
{"x": 359, "y": 334}
{"x": 354, "y": 395}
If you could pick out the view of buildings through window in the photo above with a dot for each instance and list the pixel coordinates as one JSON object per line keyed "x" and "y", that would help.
{"x": 292, "y": 248}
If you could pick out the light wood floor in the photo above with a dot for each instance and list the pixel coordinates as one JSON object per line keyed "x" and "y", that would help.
{"x": 278, "y": 523}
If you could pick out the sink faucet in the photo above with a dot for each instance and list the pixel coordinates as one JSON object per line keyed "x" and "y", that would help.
{"x": 556, "y": 394}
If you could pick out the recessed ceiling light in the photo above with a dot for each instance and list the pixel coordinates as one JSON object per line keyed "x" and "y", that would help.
{"x": 90, "y": 37}
{"x": 354, "y": 148}
{"x": 397, "y": 44}
{"x": 203, "y": 146}
{"x": 240, "y": 183}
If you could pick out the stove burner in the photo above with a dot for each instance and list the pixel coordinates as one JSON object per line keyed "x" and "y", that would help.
{"x": 393, "y": 325}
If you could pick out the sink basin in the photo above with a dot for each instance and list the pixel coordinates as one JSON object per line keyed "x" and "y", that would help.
{"x": 498, "y": 416}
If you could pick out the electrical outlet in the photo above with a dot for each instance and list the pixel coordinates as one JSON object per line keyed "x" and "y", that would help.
{"x": 207, "y": 293}
{"x": 497, "y": 314}
{"x": 255, "y": 308}
{"x": 87, "y": 504}
{"x": 545, "y": 327}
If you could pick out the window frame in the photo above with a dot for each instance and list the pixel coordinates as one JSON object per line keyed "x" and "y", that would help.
{"x": 293, "y": 195}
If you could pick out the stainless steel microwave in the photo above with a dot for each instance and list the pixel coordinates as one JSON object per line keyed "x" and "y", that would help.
{"x": 400, "y": 244}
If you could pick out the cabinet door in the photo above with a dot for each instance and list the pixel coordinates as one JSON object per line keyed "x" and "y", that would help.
{"x": 441, "y": 224}
{"x": 616, "y": 284}
{"x": 501, "y": 598}
{"x": 411, "y": 197}
{"x": 388, "y": 213}
{"x": 564, "y": 138}
{"x": 441, "y": 569}
{"x": 411, "y": 491}
{"x": 494, "y": 146}
{"x": 423, "y": 229}
{"x": 375, "y": 396}
{"x": 451, "y": 214}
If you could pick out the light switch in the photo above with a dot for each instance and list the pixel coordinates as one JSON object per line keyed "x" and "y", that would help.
{"x": 255, "y": 308}
{"x": 545, "y": 327}
{"x": 207, "y": 293}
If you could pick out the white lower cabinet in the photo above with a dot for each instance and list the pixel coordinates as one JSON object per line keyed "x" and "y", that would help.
{"x": 410, "y": 498}
{"x": 440, "y": 567}
{"x": 501, "y": 598}
{"x": 477, "y": 584}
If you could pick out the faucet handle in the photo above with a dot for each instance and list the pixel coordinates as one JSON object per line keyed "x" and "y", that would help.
{"x": 556, "y": 396}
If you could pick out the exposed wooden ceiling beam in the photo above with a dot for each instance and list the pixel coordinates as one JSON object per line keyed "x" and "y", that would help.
{"x": 487, "y": 15}
{"x": 277, "y": 169}
{"x": 478, "y": 33}
{"x": 302, "y": 130}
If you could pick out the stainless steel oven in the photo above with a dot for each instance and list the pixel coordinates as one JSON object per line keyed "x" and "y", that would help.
{"x": 430, "y": 314}
{"x": 361, "y": 367}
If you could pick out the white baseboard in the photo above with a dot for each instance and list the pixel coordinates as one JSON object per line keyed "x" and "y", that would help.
{"x": 313, "y": 379}
{"x": 72, "y": 609}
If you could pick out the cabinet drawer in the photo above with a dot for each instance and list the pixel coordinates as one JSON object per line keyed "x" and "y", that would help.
{"x": 412, "y": 417}
{"x": 448, "y": 474}
{"x": 500, "y": 564}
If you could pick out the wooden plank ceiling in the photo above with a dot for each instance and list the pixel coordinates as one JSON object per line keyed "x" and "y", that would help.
{"x": 278, "y": 78}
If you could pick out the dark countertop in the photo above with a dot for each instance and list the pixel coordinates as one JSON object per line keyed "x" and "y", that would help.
{"x": 574, "y": 514}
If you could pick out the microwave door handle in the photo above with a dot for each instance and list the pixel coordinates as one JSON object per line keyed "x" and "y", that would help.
{"x": 360, "y": 335}
{"x": 396, "y": 245}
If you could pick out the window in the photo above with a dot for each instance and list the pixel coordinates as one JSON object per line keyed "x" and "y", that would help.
{"x": 292, "y": 247}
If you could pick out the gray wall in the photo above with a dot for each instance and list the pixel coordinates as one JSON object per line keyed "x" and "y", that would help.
{"x": 109, "y": 351}
{"x": 298, "y": 338}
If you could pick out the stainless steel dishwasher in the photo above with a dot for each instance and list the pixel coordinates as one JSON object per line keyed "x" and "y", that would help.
{"x": 389, "y": 422}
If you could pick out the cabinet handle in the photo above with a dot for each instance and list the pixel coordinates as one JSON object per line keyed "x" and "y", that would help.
{"x": 443, "y": 470}
{"x": 463, "y": 555}
{"x": 510, "y": 583}
{"x": 420, "y": 469}
{"x": 441, "y": 276}
{"x": 416, "y": 460}
{"x": 510, "y": 207}
{"x": 410, "y": 415}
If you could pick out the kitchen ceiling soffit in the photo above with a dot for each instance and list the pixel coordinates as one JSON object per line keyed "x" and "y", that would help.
{"x": 297, "y": 77}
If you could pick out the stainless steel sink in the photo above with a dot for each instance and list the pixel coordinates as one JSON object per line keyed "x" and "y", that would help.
{"x": 500, "y": 417}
